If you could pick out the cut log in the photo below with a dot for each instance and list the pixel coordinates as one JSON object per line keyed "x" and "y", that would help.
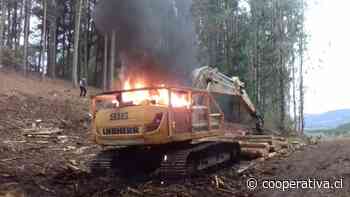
{"x": 282, "y": 139}
{"x": 284, "y": 144}
{"x": 249, "y": 144}
{"x": 272, "y": 145}
{"x": 251, "y": 137}
{"x": 268, "y": 141}
{"x": 262, "y": 137}
{"x": 253, "y": 153}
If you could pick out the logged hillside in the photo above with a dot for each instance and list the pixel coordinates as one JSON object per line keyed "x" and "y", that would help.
{"x": 45, "y": 149}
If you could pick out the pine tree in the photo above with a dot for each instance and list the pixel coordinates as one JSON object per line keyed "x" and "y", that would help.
{"x": 76, "y": 43}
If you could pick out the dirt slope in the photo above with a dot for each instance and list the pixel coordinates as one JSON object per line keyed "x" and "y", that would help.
{"x": 30, "y": 163}
{"x": 55, "y": 164}
{"x": 329, "y": 160}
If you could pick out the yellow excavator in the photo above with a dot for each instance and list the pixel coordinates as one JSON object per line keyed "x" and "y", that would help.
{"x": 177, "y": 130}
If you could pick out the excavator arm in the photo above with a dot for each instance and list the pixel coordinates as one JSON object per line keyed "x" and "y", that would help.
{"x": 213, "y": 80}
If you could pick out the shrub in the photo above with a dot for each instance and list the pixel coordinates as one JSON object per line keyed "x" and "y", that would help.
{"x": 11, "y": 58}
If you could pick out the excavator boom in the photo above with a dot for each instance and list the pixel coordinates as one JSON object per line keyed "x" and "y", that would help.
{"x": 213, "y": 80}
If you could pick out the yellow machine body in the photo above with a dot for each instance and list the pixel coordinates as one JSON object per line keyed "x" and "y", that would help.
{"x": 118, "y": 123}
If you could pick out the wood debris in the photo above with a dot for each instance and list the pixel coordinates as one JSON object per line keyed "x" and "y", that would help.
{"x": 81, "y": 150}
{"x": 9, "y": 159}
{"x": 245, "y": 168}
{"x": 135, "y": 191}
{"x": 73, "y": 165}
{"x": 218, "y": 181}
{"x": 42, "y": 132}
{"x": 46, "y": 189}
{"x": 69, "y": 148}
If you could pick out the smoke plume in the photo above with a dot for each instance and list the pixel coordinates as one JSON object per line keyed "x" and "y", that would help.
{"x": 155, "y": 38}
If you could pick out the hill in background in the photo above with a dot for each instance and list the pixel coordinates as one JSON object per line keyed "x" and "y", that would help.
{"x": 328, "y": 120}
{"x": 342, "y": 130}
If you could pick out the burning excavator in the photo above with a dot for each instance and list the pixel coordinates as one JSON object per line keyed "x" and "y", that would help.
{"x": 178, "y": 130}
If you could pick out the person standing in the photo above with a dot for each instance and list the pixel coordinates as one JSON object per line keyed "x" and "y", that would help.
{"x": 83, "y": 87}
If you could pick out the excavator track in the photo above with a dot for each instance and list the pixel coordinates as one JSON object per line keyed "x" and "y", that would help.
{"x": 103, "y": 162}
{"x": 174, "y": 164}
{"x": 179, "y": 163}
{"x": 126, "y": 161}
{"x": 185, "y": 162}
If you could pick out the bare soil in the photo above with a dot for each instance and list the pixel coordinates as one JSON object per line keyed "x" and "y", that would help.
{"x": 329, "y": 160}
{"x": 55, "y": 164}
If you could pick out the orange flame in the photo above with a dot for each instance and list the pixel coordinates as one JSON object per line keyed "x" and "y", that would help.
{"x": 159, "y": 96}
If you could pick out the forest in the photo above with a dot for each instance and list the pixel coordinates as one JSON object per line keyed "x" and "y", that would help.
{"x": 261, "y": 41}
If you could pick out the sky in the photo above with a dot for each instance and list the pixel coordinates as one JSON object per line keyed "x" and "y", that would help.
{"x": 327, "y": 79}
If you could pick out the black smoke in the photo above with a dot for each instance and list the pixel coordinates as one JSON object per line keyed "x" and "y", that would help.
{"x": 155, "y": 38}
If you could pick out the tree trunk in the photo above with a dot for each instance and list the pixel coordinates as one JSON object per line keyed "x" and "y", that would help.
{"x": 14, "y": 26}
{"x": 52, "y": 50}
{"x": 294, "y": 93}
{"x": 27, "y": 11}
{"x": 301, "y": 87}
{"x": 86, "y": 40}
{"x": 2, "y": 27}
{"x": 9, "y": 28}
{"x": 37, "y": 68}
{"x": 113, "y": 59}
{"x": 105, "y": 62}
{"x": 301, "y": 111}
{"x": 2, "y": 22}
{"x": 282, "y": 97}
{"x": 43, "y": 53}
{"x": 97, "y": 59}
{"x": 76, "y": 44}
{"x": 19, "y": 23}
{"x": 52, "y": 39}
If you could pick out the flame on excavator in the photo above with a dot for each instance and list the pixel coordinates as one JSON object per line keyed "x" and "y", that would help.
{"x": 160, "y": 96}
